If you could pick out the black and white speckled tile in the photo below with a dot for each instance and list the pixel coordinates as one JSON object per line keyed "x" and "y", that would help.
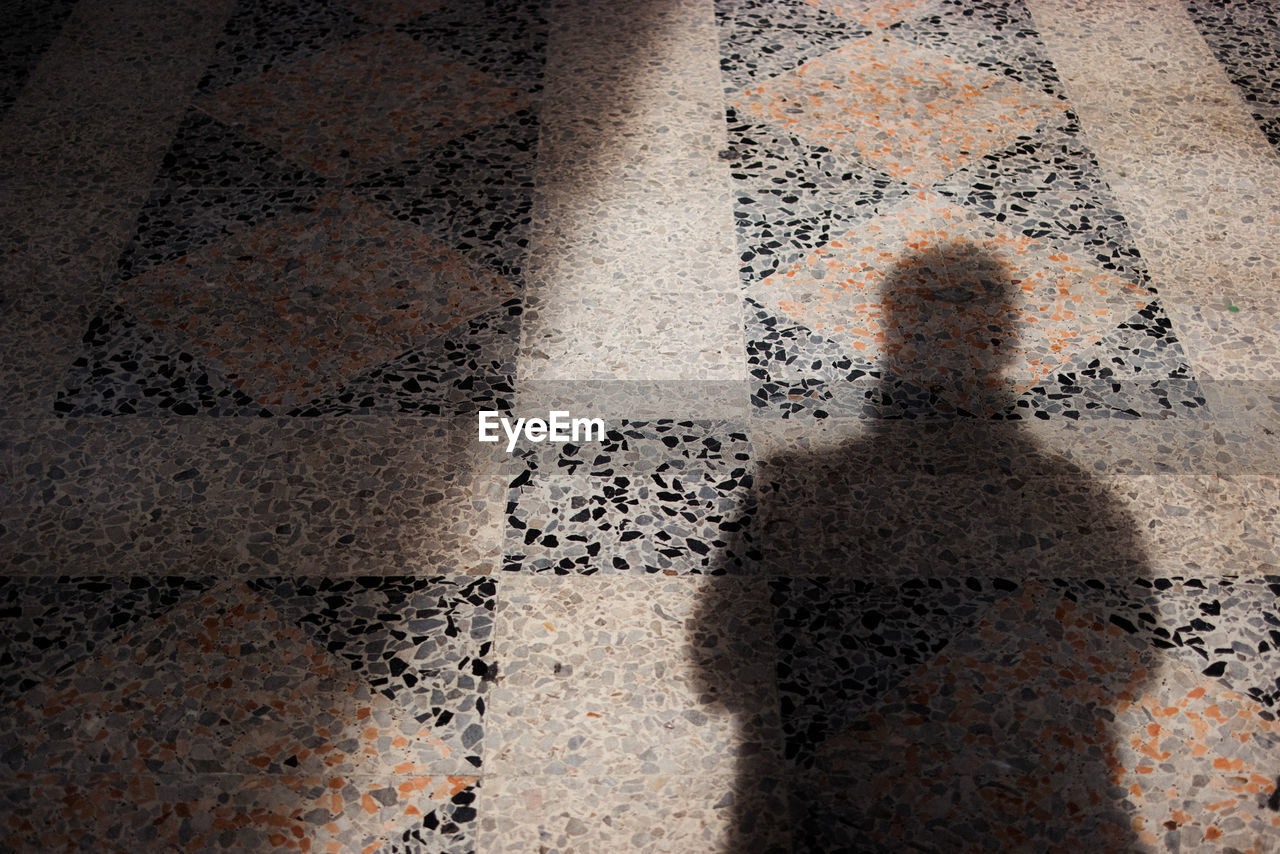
{"x": 639, "y": 447}
{"x": 1140, "y": 370}
{"x": 1223, "y": 627}
{"x": 1137, "y": 371}
{"x": 759, "y": 40}
{"x": 673, "y": 524}
{"x": 797, "y": 372}
{"x": 424, "y": 642}
{"x": 1048, "y": 187}
{"x": 1245, "y": 38}
{"x": 793, "y": 196}
{"x": 1044, "y": 186}
{"x": 998, "y": 36}
{"x": 654, "y": 497}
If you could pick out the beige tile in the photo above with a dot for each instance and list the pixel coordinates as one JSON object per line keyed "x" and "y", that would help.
{"x": 660, "y": 814}
{"x": 629, "y": 676}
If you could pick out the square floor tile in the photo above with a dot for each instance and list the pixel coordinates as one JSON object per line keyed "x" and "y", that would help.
{"x": 634, "y": 677}
{"x": 280, "y": 676}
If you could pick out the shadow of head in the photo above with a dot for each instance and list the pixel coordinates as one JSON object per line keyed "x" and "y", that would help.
{"x": 951, "y": 315}
{"x": 939, "y": 676}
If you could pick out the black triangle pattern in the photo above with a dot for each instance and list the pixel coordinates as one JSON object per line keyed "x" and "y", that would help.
{"x": 50, "y": 623}
{"x": 760, "y": 39}
{"x": 469, "y": 368}
{"x": 1138, "y": 370}
{"x": 128, "y": 369}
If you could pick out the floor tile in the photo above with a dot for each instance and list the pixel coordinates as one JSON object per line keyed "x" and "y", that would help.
{"x": 1243, "y": 38}
{"x": 30, "y": 27}
{"x": 664, "y": 498}
{"x": 992, "y": 744}
{"x": 359, "y": 697}
{"x": 759, "y": 41}
{"x": 629, "y": 679}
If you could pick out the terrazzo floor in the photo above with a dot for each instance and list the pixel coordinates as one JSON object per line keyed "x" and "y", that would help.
{"x": 935, "y": 504}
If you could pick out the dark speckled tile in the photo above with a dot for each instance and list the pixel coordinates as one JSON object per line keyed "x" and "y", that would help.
{"x": 269, "y": 310}
{"x": 128, "y": 813}
{"x": 847, "y": 643}
{"x": 330, "y": 677}
{"x": 366, "y": 89}
{"x": 178, "y": 222}
{"x": 467, "y": 369}
{"x": 129, "y": 368}
{"x": 28, "y": 27}
{"x": 248, "y": 495}
{"x": 49, "y": 624}
{"x": 205, "y": 153}
{"x": 474, "y": 193}
{"x": 349, "y": 708}
{"x": 262, "y": 36}
{"x": 1039, "y": 723}
{"x": 507, "y": 38}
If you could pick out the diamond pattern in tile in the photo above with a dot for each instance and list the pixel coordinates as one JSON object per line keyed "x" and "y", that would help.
{"x": 915, "y": 114}
{"x": 293, "y": 307}
{"x": 371, "y": 103}
{"x": 948, "y": 300}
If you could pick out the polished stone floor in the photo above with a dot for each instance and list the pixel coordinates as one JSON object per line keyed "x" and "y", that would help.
{"x": 935, "y": 347}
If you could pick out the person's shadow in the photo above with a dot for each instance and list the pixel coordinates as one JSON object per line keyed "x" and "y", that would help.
{"x": 941, "y": 683}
